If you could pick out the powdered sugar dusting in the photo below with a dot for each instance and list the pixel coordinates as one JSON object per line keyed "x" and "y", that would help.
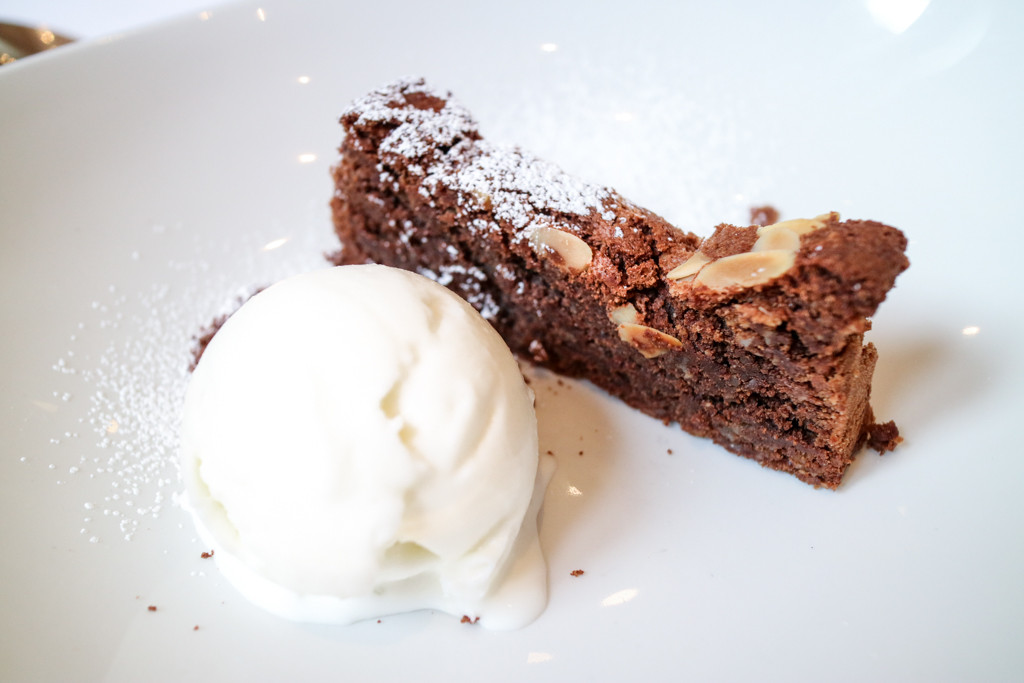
{"x": 441, "y": 145}
{"x": 124, "y": 376}
{"x": 133, "y": 414}
{"x": 417, "y": 131}
{"x": 671, "y": 139}
{"x": 522, "y": 190}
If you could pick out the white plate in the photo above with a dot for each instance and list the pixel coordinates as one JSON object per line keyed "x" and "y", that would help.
{"x": 143, "y": 176}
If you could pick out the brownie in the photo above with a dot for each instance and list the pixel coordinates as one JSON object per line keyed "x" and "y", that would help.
{"x": 752, "y": 337}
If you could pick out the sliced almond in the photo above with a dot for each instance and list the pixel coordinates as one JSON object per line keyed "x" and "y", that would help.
{"x": 626, "y": 313}
{"x": 689, "y": 267}
{"x": 746, "y": 269}
{"x": 802, "y": 226}
{"x": 647, "y": 340}
{"x": 563, "y": 246}
{"x": 777, "y": 236}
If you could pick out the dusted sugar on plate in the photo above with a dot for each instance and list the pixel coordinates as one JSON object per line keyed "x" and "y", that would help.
{"x": 358, "y": 442}
{"x": 752, "y": 337}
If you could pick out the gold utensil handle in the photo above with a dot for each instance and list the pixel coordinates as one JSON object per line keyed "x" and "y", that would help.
{"x": 22, "y": 41}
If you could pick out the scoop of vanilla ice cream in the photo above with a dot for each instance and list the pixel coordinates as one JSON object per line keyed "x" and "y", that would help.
{"x": 358, "y": 441}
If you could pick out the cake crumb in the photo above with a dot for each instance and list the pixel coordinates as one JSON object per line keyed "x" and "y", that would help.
{"x": 576, "y": 572}
{"x": 206, "y": 555}
{"x": 467, "y": 620}
{"x": 152, "y": 608}
{"x": 196, "y": 627}
{"x": 203, "y": 339}
{"x": 884, "y": 437}
{"x": 669, "y": 451}
{"x": 763, "y": 215}
{"x": 538, "y": 352}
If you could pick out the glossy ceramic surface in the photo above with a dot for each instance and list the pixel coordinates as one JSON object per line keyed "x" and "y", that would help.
{"x": 151, "y": 179}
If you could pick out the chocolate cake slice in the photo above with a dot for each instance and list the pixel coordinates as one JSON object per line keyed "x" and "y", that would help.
{"x": 752, "y": 337}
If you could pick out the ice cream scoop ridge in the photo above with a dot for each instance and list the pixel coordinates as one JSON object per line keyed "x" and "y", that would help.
{"x": 358, "y": 441}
